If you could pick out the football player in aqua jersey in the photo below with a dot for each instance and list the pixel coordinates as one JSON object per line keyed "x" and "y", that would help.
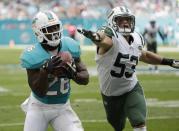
{"x": 49, "y": 101}
{"x": 119, "y": 48}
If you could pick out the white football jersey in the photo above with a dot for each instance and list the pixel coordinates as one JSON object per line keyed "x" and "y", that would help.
{"x": 116, "y": 68}
{"x": 151, "y": 34}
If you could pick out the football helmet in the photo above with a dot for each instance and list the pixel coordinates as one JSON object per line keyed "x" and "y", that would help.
{"x": 116, "y": 18}
{"x": 47, "y": 28}
{"x": 152, "y": 21}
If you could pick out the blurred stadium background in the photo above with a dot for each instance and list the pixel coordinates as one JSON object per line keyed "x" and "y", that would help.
{"x": 161, "y": 89}
{"x": 15, "y": 16}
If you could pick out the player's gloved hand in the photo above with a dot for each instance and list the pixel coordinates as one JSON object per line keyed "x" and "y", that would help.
{"x": 171, "y": 62}
{"x": 52, "y": 64}
{"x": 71, "y": 70}
{"x": 175, "y": 64}
{"x": 94, "y": 36}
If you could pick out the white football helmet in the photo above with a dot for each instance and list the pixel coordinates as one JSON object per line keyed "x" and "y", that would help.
{"x": 48, "y": 27}
{"x": 118, "y": 14}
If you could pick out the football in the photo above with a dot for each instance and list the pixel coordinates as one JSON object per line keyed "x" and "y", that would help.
{"x": 66, "y": 56}
{"x": 66, "y": 59}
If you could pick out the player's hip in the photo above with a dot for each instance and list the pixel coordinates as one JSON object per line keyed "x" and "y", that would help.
{"x": 117, "y": 87}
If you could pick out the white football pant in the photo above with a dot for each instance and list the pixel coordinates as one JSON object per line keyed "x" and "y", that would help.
{"x": 60, "y": 116}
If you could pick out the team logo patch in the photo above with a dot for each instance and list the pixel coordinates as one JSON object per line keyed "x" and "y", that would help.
{"x": 140, "y": 47}
{"x": 49, "y": 15}
{"x": 34, "y": 21}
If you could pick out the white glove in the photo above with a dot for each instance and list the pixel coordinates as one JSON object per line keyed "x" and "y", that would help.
{"x": 175, "y": 64}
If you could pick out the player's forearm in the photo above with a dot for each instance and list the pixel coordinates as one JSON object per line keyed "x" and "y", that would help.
{"x": 105, "y": 41}
{"x": 38, "y": 81}
{"x": 99, "y": 38}
{"x": 151, "y": 58}
{"x": 82, "y": 77}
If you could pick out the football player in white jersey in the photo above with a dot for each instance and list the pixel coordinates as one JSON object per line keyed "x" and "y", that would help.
{"x": 49, "y": 77}
{"x": 150, "y": 35}
{"x": 119, "y": 48}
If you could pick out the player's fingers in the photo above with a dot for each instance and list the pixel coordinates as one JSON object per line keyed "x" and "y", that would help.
{"x": 70, "y": 67}
{"x": 175, "y": 64}
{"x": 55, "y": 58}
{"x": 57, "y": 62}
{"x": 84, "y": 31}
{"x": 61, "y": 68}
{"x": 80, "y": 31}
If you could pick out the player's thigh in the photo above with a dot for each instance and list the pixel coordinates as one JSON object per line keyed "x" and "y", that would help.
{"x": 67, "y": 121}
{"x": 114, "y": 107}
{"x": 35, "y": 121}
{"x": 136, "y": 106}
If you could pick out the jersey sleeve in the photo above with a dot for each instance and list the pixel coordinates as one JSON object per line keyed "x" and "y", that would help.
{"x": 142, "y": 39}
{"x": 33, "y": 57}
{"x": 68, "y": 44}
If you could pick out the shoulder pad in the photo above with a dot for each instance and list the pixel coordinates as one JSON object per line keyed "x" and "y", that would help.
{"x": 68, "y": 44}
{"x": 141, "y": 38}
{"x": 107, "y": 30}
{"x": 33, "y": 57}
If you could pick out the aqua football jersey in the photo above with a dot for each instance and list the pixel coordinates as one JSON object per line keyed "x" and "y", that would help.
{"x": 59, "y": 88}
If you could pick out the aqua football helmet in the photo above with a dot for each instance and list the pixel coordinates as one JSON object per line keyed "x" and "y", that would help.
{"x": 47, "y": 28}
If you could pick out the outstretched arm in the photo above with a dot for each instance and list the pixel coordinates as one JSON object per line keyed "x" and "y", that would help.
{"x": 152, "y": 58}
{"x": 99, "y": 38}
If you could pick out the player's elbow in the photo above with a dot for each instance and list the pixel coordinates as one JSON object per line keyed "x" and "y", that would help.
{"x": 82, "y": 79}
{"x": 40, "y": 93}
{"x": 38, "y": 90}
{"x": 85, "y": 81}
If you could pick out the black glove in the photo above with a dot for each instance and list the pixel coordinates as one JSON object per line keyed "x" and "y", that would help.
{"x": 171, "y": 62}
{"x": 175, "y": 64}
{"x": 90, "y": 34}
{"x": 52, "y": 64}
{"x": 71, "y": 70}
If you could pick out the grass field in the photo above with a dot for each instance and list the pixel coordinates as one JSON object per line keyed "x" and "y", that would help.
{"x": 161, "y": 91}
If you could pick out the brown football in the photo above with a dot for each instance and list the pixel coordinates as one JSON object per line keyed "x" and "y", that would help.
{"x": 65, "y": 56}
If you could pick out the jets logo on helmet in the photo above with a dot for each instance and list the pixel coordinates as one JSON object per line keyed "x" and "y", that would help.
{"x": 117, "y": 15}
{"x": 47, "y": 28}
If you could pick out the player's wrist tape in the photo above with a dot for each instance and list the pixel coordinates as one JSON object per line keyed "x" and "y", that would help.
{"x": 166, "y": 61}
{"x": 47, "y": 68}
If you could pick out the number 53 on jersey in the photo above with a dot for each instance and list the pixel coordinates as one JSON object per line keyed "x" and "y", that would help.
{"x": 124, "y": 65}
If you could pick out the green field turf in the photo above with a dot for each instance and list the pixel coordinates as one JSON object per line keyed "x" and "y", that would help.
{"x": 161, "y": 91}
